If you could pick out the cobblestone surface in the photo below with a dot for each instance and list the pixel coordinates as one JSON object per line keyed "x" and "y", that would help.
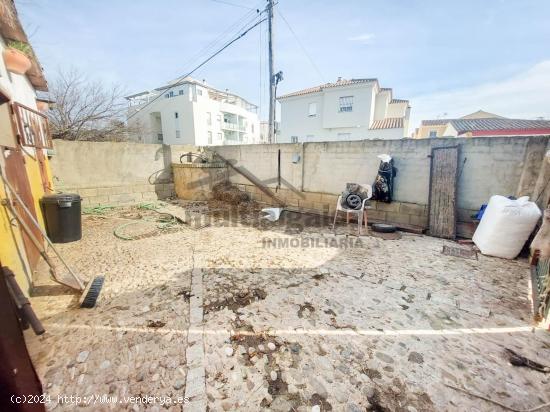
{"x": 299, "y": 326}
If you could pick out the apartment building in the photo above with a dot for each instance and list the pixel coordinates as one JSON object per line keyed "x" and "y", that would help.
{"x": 353, "y": 109}
{"x": 192, "y": 112}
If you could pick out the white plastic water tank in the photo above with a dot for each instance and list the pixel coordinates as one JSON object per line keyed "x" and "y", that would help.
{"x": 505, "y": 226}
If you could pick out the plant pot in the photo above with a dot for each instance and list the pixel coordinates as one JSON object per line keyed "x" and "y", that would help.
{"x": 16, "y": 61}
{"x": 42, "y": 106}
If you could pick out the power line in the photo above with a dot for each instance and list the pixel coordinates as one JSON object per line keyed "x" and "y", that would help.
{"x": 302, "y": 47}
{"x": 232, "y": 4}
{"x": 244, "y": 33}
{"x": 247, "y": 18}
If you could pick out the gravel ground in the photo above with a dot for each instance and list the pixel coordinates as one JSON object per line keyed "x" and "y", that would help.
{"x": 294, "y": 319}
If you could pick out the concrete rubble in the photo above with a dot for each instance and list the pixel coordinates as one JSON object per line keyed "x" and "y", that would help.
{"x": 381, "y": 325}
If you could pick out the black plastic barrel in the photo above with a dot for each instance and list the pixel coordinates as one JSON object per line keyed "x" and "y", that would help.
{"x": 62, "y": 217}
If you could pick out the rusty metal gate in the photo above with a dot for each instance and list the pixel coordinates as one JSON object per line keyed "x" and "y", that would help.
{"x": 442, "y": 200}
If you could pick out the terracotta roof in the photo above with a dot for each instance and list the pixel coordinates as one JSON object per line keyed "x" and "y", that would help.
{"x": 316, "y": 89}
{"x": 11, "y": 29}
{"x": 491, "y": 123}
{"x": 389, "y": 123}
{"x": 482, "y": 114}
{"x": 436, "y": 122}
{"x": 470, "y": 125}
{"x": 398, "y": 101}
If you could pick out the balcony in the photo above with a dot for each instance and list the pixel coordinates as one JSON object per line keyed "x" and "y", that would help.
{"x": 233, "y": 127}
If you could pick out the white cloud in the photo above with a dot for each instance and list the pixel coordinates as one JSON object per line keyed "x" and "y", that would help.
{"x": 525, "y": 95}
{"x": 365, "y": 38}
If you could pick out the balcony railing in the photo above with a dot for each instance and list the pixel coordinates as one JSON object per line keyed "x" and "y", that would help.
{"x": 233, "y": 126}
{"x": 32, "y": 127}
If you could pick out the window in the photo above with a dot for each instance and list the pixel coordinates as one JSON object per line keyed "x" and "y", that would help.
{"x": 209, "y": 118}
{"x": 180, "y": 92}
{"x": 199, "y": 92}
{"x": 171, "y": 94}
{"x": 177, "y": 124}
{"x": 167, "y": 95}
{"x": 346, "y": 103}
{"x": 293, "y": 139}
{"x": 219, "y": 136}
{"x": 343, "y": 136}
{"x": 219, "y": 118}
{"x": 433, "y": 133}
{"x": 312, "y": 110}
{"x": 252, "y": 127}
{"x": 209, "y": 137}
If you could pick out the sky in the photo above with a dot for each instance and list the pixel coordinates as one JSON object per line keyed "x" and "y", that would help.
{"x": 448, "y": 57}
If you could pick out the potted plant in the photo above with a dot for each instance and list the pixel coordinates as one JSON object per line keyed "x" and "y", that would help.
{"x": 16, "y": 57}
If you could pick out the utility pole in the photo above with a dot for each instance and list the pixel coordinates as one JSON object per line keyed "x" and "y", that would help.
{"x": 272, "y": 82}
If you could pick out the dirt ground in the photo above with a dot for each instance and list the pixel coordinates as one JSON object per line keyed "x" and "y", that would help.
{"x": 294, "y": 317}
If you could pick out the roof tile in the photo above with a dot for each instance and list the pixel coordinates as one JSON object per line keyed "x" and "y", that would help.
{"x": 320, "y": 88}
{"x": 389, "y": 123}
{"x": 469, "y": 125}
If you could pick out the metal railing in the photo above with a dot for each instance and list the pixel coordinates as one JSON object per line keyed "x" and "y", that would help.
{"x": 32, "y": 127}
{"x": 233, "y": 126}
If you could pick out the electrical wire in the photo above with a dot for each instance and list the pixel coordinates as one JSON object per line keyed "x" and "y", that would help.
{"x": 302, "y": 46}
{"x": 176, "y": 83}
{"x": 246, "y": 18}
{"x": 232, "y": 4}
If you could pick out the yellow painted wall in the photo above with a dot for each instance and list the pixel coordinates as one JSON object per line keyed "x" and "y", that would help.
{"x": 12, "y": 250}
{"x": 33, "y": 173}
{"x": 424, "y": 131}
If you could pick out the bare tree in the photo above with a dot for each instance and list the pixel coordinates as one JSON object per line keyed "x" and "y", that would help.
{"x": 86, "y": 109}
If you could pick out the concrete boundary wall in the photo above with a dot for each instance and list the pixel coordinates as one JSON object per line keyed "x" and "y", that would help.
{"x": 314, "y": 174}
{"x": 114, "y": 173}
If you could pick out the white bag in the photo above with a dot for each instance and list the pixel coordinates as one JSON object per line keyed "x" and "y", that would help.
{"x": 505, "y": 226}
{"x": 273, "y": 213}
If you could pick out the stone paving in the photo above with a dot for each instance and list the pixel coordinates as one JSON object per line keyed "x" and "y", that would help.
{"x": 251, "y": 317}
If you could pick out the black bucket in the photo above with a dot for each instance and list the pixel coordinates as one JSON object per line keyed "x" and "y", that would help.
{"x": 62, "y": 217}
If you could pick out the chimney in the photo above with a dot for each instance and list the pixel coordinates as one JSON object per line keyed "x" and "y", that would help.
{"x": 203, "y": 81}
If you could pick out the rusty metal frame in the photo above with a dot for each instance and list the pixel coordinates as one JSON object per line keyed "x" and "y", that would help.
{"x": 44, "y": 141}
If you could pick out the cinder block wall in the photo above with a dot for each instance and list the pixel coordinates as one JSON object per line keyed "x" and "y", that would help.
{"x": 314, "y": 174}
{"x": 410, "y": 214}
{"x": 113, "y": 173}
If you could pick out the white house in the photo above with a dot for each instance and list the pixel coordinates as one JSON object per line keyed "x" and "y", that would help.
{"x": 192, "y": 112}
{"x": 353, "y": 109}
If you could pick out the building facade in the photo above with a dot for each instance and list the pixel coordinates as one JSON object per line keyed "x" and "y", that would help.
{"x": 353, "y": 109}
{"x": 481, "y": 123}
{"x": 191, "y": 112}
{"x": 25, "y": 145}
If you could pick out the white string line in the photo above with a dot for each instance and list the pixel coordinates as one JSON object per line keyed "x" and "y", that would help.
{"x": 309, "y": 332}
